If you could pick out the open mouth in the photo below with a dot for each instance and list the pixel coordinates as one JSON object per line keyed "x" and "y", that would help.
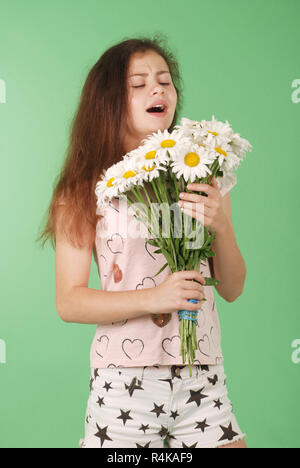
{"x": 158, "y": 110}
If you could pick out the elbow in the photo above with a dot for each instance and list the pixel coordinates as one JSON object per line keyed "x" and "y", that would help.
{"x": 233, "y": 297}
{"x": 61, "y": 310}
{"x": 230, "y": 295}
{"x": 238, "y": 293}
{"x": 64, "y": 305}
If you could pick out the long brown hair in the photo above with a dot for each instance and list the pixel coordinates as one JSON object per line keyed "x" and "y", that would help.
{"x": 95, "y": 138}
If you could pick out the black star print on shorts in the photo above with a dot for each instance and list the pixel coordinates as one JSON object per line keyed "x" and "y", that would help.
{"x": 159, "y": 406}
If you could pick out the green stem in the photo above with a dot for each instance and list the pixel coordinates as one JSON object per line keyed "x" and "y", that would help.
{"x": 175, "y": 182}
{"x": 138, "y": 217}
{"x": 163, "y": 191}
{"x": 153, "y": 185}
{"x": 149, "y": 209}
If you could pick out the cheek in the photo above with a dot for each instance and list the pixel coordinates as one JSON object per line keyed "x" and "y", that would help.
{"x": 174, "y": 95}
{"x": 136, "y": 107}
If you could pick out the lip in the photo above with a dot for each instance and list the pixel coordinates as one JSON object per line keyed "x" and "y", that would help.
{"x": 158, "y": 114}
{"x": 156, "y": 103}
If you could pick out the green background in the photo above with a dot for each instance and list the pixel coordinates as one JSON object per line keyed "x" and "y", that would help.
{"x": 238, "y": 61}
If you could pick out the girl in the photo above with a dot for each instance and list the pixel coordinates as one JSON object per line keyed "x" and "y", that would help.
{"x": 140, "y": 393}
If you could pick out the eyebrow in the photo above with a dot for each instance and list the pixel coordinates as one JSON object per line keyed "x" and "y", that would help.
{"x": 146, "y": 74}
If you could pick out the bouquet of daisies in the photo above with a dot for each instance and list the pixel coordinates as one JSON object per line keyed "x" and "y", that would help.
{"x": 150, "y": 179}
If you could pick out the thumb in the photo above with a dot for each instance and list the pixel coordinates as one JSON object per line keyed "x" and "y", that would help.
{"x": 214, "y": 182}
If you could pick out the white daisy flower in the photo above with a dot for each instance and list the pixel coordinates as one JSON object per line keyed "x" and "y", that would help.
{"x": 213, "y": 133}
{"x": 187, "y": 126}
{"x": 165, "y": 142}
{"x": 189, "y": 150}
{"x": 191, "y": 162}
{"x": 149, "y": 162}
{"x": 152, "y": 172}
{"x": 129, "y": 174}
{"x": 188, "y": 123}
{"x": 116, "y": 180}
{"x": 240, "y": 146}
{"x": 226, "y": 157}
{"x": 146, "y": 157}
{"x": 107, "y": 186}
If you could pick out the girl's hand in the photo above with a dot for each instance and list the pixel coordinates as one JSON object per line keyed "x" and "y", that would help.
{"x": 173, "y": 293}
{"x": 208, "y": 210}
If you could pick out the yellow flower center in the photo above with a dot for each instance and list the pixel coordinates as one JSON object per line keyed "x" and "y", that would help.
{"x": 129, "y": 174}
{"x": 214, "y": 133}
{"x": 150, "y": 155}
{"x": 148, "y": 169}
{"x": 110, "y": 182}
{"x": 191, "y": 159}
{"x": 219, "y": 150}
{"x": 167, "y": 143}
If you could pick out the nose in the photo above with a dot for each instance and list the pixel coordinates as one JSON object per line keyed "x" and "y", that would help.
{"x": 158, "y": 88}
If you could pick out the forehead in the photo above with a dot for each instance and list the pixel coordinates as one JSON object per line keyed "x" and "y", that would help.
{"x": 146, "y": 62}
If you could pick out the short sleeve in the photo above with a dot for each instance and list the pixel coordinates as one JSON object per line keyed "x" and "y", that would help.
{"x": 227, "y": 183}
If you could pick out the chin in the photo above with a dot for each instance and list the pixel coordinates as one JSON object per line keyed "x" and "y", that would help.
{"x": 160, "y": 126}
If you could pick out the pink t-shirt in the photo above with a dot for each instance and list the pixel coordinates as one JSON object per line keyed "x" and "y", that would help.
{"x": 128, "y": 262}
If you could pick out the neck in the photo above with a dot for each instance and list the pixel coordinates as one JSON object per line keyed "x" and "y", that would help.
{"x": 131, "y": 142}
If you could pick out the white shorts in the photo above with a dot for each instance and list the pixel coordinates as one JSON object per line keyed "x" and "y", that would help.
{"x": 159, "y": 407}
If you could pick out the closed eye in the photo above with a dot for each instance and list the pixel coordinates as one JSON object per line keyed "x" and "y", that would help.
{"x": 166, "y": 84}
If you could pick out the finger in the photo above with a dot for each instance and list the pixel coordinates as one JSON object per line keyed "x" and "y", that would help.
{"x": 193, "y": 294}
{"x": 194, "y": 198}
{"x": 215, "y": 184}
{"x": 203, "y": 219}
{"x": 187, "y": 284}
{"x": 201, "y": 188}
{"x": 192, "y": 306}
{"x": 196, "y": 214}
{"x": 188, "y": 212}
{"x": 200, "y": 208}
{"x": 191, "y": 275}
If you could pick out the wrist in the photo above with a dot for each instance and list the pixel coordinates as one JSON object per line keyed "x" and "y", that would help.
{"x": 145, "y": 301}
{"x": 223, "y": 225}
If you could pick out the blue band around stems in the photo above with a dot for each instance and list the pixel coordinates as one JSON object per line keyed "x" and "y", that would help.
{"x": 189, "y": 314}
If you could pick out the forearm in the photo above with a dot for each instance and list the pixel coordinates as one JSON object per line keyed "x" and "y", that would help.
{"x": 228, "y": 263}
{"x": 92, "y": 306}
